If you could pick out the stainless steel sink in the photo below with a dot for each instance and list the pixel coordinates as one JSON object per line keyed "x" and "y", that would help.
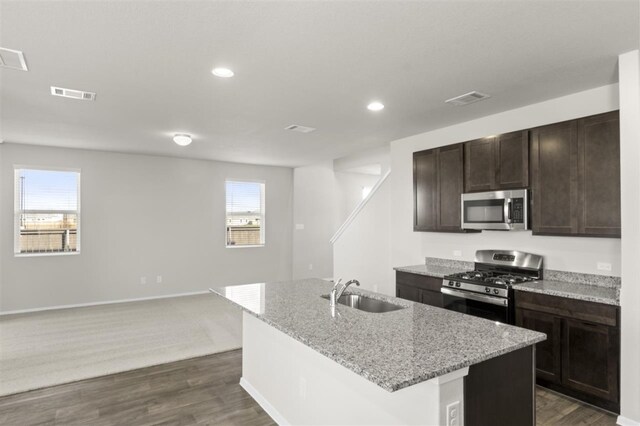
{"x": 365, "y": 303}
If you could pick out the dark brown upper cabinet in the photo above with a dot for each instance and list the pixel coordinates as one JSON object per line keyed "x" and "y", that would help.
{"x": 599, "y": 175}
{"x": 497, "y": 162}
{"x": 437, "y": 187}
{"x": 575, "y": 174}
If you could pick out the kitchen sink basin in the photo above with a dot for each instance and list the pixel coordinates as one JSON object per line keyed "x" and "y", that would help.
{"x": 365, "y": 303}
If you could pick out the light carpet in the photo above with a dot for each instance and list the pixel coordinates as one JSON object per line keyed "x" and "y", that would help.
{"x": 53, "y": 347}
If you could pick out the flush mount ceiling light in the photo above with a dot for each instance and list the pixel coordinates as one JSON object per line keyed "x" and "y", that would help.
{"x": 182, "y": 139}
{"x": 375, "y": 106}
{"x": 222, "y": 72}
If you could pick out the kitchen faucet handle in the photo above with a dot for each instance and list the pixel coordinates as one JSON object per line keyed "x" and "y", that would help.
{"x": 337, "y": 283}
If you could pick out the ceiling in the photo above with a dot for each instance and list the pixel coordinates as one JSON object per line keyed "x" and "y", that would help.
{"x": 311, "y": 63}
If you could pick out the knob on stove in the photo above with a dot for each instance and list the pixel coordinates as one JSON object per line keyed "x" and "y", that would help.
{"x": 457, "y": 284}
{"x": 496, "y": 291}
{"x": 487, "y": 289}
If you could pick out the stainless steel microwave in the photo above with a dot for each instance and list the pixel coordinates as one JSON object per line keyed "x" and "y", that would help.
{"x": 498, "y": 210}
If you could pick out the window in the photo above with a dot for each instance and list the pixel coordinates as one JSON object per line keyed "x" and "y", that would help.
{"x": 245, "y": 213}
{"x": 47, "y": 211}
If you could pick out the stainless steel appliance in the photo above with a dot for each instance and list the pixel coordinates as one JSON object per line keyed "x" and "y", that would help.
{"x": 487, "y": 291}
{"x": 497, "y": 210}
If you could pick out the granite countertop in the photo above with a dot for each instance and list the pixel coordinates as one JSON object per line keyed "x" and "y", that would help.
{"x": 430, "y": 270}
{"x": 394, "y": 349}
{"x": 573, "y": 290}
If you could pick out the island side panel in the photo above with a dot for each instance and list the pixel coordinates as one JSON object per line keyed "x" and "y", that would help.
{"x": 297, "y": 385}
{"x": 501, "y": 390}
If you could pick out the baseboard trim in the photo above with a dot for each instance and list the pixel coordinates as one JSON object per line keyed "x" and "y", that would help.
{"x": 262, "y": 402}
{"x": 623, "y": 421}
{"x": 110, "y": 302}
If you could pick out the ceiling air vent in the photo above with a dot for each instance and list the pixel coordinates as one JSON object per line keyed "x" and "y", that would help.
{"x": 467, "y": 98}
{"x": 73, "y": 94}
{"x": 13, "y": 59}
{"x": 300, "y": 129}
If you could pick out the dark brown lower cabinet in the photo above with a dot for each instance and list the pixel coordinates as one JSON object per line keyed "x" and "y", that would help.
{"x": 590, "y": 354}
{"x": 548, "y": 353}
{"x": 581, "y": 356}
{"x": 419, "y": 288}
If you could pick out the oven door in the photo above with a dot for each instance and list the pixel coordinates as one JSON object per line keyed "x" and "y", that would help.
{"x": 479, "y": 305}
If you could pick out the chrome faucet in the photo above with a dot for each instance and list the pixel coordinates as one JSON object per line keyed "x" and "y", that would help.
{"x": 337, "y": 291}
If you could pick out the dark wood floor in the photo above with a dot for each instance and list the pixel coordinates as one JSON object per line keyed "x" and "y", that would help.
{"x": 197, "y": 391}
{"x": 201, "y": 390}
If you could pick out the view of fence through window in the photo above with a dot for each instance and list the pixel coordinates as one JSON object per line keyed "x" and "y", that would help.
{"x": 245, "y": 213}
{"x": 47, "y": 211}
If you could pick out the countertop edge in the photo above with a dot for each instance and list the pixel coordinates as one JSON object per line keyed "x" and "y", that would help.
{"x": 567, "y": 295}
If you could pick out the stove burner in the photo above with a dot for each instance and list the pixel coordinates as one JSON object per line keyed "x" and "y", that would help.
{"x": 491, "y": 277}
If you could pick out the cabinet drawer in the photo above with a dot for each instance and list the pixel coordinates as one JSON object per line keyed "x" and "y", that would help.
{"x": 423, "y": 282}
{"x": 578, "y": 309}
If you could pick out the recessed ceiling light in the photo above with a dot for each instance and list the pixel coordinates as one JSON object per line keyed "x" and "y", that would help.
{"x": 222, "y": 72}
{"x": 182, "y": 139}
{"x": 375, "y": 106}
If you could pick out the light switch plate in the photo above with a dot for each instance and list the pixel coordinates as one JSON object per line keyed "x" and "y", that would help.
{"x": 299, "y": 226}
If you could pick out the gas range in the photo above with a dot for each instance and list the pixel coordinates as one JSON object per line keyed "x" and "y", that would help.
{"x": 487, "y": 290}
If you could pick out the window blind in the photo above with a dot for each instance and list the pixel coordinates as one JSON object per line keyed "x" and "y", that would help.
{"x": 47, "y": 211}
{"x": 245, "y": 225}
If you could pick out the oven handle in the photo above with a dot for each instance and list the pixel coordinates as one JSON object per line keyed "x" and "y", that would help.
{"x": 478, "y": 297}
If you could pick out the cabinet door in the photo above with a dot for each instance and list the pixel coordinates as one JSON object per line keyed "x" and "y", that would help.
{"x": 590, "y": 359}
{"x": 425, "y": 181}
{"x": 512, "y": 160}
{"x": 450, "y": 183}
{"x": 548, "y": 352}
{"x": 599, "y": 175}
{"x": 479, "y": 165}
{"x": 554, "y": 172}
{"x": 408, "y": 292}
{"x": 433, "y": 298}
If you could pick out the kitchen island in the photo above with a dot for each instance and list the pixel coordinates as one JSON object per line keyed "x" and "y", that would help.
{"x": 305, "y": 363}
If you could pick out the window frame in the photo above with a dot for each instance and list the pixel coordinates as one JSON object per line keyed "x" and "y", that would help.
{"x": 263, "y": 215}
{"x": 17, "y": 211}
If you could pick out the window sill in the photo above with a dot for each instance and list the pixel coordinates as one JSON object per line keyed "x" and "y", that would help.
{"x": 62, "y": 253}
{"x": 247, "y": 246}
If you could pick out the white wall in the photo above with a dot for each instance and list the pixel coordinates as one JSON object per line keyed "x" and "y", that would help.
{"x": 314, "y": 207}
{"x": 565, "y": 253}
{"x": 143, "y": 216}
{"x": 348, "y": 187}
{"x": 629, "y": 69}
{"x": 362, "y": 251}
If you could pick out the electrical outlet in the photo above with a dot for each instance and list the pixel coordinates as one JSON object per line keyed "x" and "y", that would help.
{"x": 375, "y": 288}
{"x": 311, "y": 267}
{"x": 159, "y": 279}
{"x": 453, "y": 414}
{"x": 143, "y": 280}
{"x": 299, "y": 226}
{"x": 603, "y": 266}
{"x": 457, "y": 253}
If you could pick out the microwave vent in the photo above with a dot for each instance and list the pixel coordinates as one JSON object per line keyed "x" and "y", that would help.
{"x": 467, "y": 98}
